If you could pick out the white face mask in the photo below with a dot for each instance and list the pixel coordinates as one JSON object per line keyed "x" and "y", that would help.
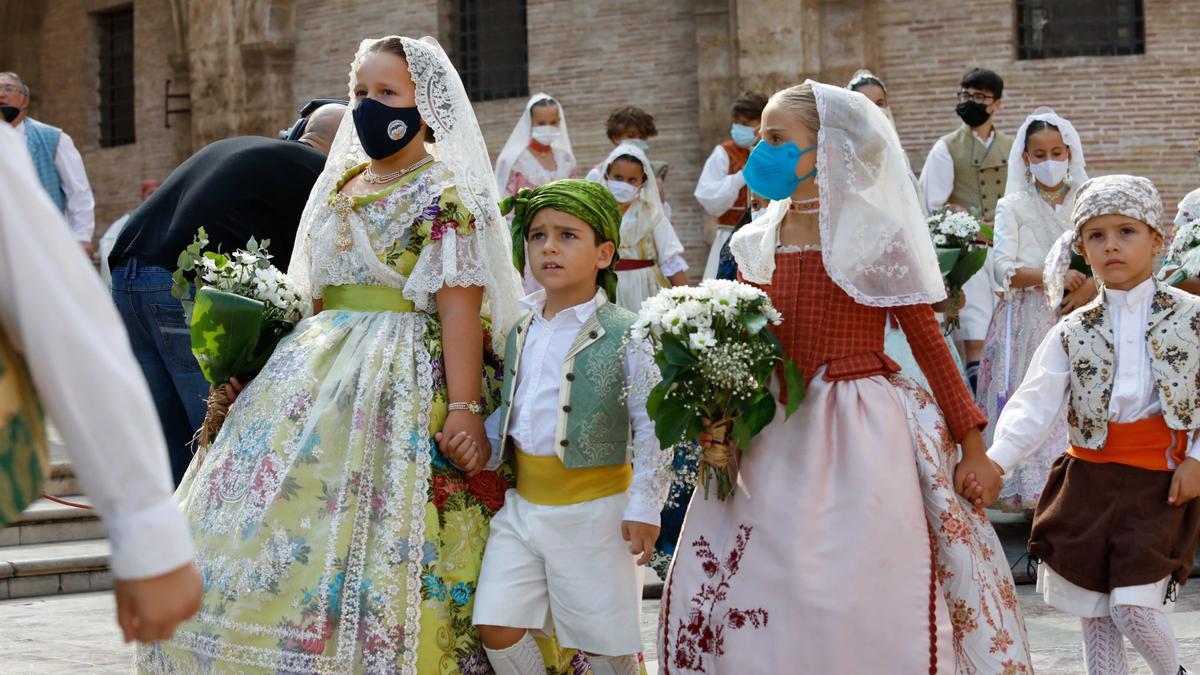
{"x": 755, "y": 214}
{"x": 624, "y": 192}
{"x": 1050, "y": 172}
{"x": 546, "y": 134}
{"x": 640, "y": 142}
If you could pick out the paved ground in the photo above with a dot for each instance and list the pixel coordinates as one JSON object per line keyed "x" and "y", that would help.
{"x": 76, "y": 634}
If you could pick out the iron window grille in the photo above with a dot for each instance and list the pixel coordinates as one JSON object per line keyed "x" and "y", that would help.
{"x": 491, "y": 48}
{"x": 116, "y": 77}
{"x": 1049, "y": 29}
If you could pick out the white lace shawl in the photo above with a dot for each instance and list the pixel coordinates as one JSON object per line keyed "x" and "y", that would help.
{"x": 460, "y": 149}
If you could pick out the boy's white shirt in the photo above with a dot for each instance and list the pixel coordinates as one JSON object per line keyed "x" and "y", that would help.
{"x": 718, "y": 190}
{"x": 1028, "y": 418}
{"x": 535, "y": 405}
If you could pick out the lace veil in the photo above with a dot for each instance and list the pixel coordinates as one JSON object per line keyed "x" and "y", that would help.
{"x": 459, "y": 146}
{"x": 647, "y": 206}
{"x": 874, "y": 240}
{"x": 518, "y": 140}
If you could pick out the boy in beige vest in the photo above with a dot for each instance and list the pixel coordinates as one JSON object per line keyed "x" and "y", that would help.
{"x": 1116, "y": 525}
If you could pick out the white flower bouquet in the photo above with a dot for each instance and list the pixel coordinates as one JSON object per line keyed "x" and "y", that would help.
{"x": 242, "y": 308}
{"x": 955, "y": 235}
{"x": 1183, "y": 256}
{"x": 716, "y": 353}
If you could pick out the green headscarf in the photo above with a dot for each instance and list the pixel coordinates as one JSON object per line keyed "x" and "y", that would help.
{"x": 590, "y": 202}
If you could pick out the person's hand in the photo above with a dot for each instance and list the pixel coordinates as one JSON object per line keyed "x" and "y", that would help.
{"x": 88, "y": 249}
{"x": 465, "y": 431}
{"x": 148, "y": 610}
{"x": 1074, "y": 280}
{"x": 1077, "y": 298}
{"x": 977, "y": 478}
{"x": 464, "y": 451}
{"x": 1185, "y": 484}
{"x": 232, "y": 388}
{"x": 641, "y": 538}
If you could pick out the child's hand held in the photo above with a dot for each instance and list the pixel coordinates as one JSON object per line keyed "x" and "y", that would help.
{"x": 641, "y": 538}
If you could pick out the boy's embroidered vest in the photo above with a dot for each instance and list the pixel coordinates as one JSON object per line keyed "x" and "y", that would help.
{"x": 592, "y": 428}
{"x": 23, "y": 456}
{"x": 737, "y": 161}
{"x": 42, "y": 141}
{"x": 1173, "y": 342}
{"x": 979, "y": 174}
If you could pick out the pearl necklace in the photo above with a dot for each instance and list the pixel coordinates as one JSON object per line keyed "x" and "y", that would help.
{"x": 373, "y": 178}
{"x": 806, "y": 207}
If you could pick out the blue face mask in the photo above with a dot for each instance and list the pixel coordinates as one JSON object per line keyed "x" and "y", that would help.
{"x": 743, "y": 135}
{"x": 771, "y": 170}
{"x": 642, "y": 143}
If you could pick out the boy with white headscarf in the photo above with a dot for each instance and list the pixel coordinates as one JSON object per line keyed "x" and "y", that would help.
{"x": 1117, "y": 524}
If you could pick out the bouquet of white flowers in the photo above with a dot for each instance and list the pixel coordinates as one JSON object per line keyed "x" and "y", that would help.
{"x": 715, "y": 351}
{"x": 1183, "y": 256}
{"x": 243, "y": 306}
{"x": 955, "y": 234}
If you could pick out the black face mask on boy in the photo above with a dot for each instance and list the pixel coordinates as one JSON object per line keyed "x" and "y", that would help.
{"x": 974, "y": 114}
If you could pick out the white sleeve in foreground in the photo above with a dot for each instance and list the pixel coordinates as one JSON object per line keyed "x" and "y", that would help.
{"x": 60, "y": 317}
{"x": 651, "y": 462}
{"x": 1029, "y": 416}
{"x": 717, "y": 190}
{"x": 937, "y": 176}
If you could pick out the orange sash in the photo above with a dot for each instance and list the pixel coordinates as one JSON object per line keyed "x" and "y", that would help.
{"x": 1145, "y": 444}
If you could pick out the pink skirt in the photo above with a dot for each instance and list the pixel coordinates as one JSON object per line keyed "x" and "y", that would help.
{"x": 843, "y": 550}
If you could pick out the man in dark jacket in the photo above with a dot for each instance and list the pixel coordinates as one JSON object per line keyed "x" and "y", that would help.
{"x": 236, "y": 188}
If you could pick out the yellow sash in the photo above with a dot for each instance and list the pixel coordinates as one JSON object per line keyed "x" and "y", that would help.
{"x": 544, "y": 480}
{"x": 24, "y": 462}
{"x": 357, "y": 298}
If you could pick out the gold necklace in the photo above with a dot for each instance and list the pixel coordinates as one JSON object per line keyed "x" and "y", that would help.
{"x": 373, "y": 178}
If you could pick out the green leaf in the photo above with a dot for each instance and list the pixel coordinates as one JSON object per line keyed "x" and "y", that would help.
{"x": 740, "y": 434}
{"x": 672, "y": 422}
{"x": 252, "y": 245}
{"x": 795, "y": 386}
{"x": 966, "y": 266}
{"x": 676, "y": 352}
{"x": 655, "y": 399}
{"x": 946, "y": 259}
{"x": 754, "y": 322}
{"x": 759, "y": 411}
{"x": 986, "y": 232}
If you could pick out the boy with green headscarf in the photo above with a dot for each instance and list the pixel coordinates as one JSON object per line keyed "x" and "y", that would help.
{"x": 591, "y": 477}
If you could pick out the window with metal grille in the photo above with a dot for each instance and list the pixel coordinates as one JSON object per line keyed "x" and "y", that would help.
{"x": 1049, "y": 29}
{"x": 115, "y": 30}
{"x": 490, "y": 47}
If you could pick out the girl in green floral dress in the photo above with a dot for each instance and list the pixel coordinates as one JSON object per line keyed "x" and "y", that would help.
{"x": 331, "y": 533}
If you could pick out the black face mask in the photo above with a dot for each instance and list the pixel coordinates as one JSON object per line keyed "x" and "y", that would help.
{"x": 9, "y": 112}
{"x": 384, "y": 130}
{"x": 974, "y": 114}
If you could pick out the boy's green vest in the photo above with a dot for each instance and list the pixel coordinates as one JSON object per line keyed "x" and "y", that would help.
{"x": 23, "y": 457}
{"x": 979, "y": 174}
{"x": 592, "y": 428}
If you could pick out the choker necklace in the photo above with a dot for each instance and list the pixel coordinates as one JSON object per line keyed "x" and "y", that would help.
{"x": 539, "y": 148}
{"x": 806, "y": 207}
{"x": 373, "y": 178}
{"x": 1050, "y": 195}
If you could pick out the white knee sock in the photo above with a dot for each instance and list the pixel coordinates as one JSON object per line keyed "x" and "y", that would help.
{"x": 1103, "y": 647}
{"x": 1151, "y": 634}
{"x": 523, "y": 658}
{"x": 614, "y": 665}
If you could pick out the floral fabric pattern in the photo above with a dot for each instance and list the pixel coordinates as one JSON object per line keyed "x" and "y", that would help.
{"x": 1131, "y": 196}
{"x": 331, "y": 534}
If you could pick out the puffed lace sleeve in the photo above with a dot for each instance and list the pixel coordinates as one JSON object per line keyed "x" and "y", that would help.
{"x": 450, "y": 254}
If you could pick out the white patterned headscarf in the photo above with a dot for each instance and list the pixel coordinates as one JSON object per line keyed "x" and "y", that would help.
{"x": 458, "y": 144}
{"x": 874, "y": 240}
{"x": 1130, "y": 196}
{"x": 1189, "y": 210}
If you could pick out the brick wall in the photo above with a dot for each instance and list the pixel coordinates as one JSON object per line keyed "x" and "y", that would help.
{"x": 67, "y": 96}
{"x": 1134, "y": 114}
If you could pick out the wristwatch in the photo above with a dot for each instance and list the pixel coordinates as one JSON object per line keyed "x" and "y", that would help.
{"x": 472, "y": 407}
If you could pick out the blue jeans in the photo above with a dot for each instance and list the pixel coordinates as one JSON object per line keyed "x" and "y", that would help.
{"x": 162, "y": 345}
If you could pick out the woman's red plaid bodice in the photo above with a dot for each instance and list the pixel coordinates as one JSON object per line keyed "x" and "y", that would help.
{"x": 823, "y": 326}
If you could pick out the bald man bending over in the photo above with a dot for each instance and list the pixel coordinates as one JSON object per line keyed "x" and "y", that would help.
{"x": 236, "y": 188}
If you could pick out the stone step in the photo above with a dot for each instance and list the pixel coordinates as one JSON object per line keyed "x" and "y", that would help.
{"x": 62, "y": 481}
{"x": 53, "y": 569}
{"x": 46, "y": 521}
